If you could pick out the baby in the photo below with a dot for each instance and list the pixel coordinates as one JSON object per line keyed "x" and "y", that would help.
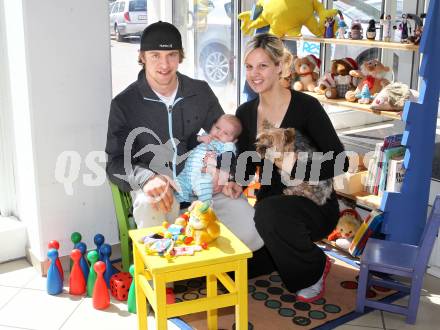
{"x": 194, "y": 182}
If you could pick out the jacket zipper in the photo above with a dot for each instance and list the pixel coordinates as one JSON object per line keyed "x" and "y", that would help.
{"x": 170, "y": 130}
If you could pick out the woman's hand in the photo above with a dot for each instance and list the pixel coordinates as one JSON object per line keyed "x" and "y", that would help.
{"x": 159, "y": 189}
{"x": 232, "y": 189}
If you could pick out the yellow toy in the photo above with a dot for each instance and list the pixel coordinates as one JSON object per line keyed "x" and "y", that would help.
{"x": 203, "y": 223}
{"x": 286, "y": 17}
{"x": 348, "y": 224}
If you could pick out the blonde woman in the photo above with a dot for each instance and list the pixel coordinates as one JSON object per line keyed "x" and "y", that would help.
{"x": 289, "y": 225}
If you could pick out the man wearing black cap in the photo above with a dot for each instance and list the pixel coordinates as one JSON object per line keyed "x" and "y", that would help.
{"x": 154, "y": 123}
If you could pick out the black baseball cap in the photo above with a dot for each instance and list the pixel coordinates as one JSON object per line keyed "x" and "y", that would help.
{"x": 161, "y": 36}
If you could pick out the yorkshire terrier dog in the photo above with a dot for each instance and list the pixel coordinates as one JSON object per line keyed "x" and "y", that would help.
{"x": 287, "y": 140}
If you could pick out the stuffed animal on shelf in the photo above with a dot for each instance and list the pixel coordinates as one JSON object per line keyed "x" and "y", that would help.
{"x": 393, "y": 96}
{"x": 286, "y": 17}
{"x": 348, "y": 224}
{"x": 337, "y": 82}
{"x": 364, "y": 97}
{"x": 304, "y": 72}
{"x": 356, "y": 30}
{"x": 372, "y": 73}
{"x": 202, "y": 223}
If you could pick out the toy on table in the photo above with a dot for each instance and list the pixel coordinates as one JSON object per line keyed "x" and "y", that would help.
{"x": 372, "y": 73}
{"x": 371, "y": 30}
{"x": 100, "y": 297}
{"x": 356, "y": 30}
{"x": 393, "y": 97}
{"x": 203, "y": 223}
{"x": 304, "y": 73}
{"x": 342, "y": 26}
{"x": 286, "y": 17}
{"x": 337, "y": 82}
{"x": 348, "y": 224}
{"x": 131, "y": 300}
{"x": 93, "y": 257}
{"x": 77, "y": 282}
{"x": 54, "y": 281}
{"x": 56, "y": 245}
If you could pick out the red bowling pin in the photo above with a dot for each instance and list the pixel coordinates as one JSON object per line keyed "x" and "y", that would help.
{"x": 55, "y": 245}
{"x": 77, "y": 282}
{"x": 101, "y": 297}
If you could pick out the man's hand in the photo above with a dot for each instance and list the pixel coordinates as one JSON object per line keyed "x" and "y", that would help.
{"x": 219, "y": 180}
{"x": 232, "y": 189}
{"x": 159, "y": 189}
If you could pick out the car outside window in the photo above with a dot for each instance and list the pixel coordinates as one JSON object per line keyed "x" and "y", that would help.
{"x": 139, "y": 5}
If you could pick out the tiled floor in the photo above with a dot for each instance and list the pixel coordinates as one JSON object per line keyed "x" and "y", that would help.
{"x": 24, "y": 304}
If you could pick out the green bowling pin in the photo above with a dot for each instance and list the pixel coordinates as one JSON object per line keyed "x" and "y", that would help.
{"x": 75, "y": 238}
{"x": 131, "y": 301}
{"x": 92, "y": 256}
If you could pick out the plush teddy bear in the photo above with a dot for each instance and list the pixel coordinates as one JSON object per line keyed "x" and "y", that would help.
{"x": 202, "y": 223}
{"x": 337, "y": 82}
{"x": 348, "y": 224}
{"x": 286, "y": 17}
{"x": 304, "y": 73}
{"x": 372, "y": 74}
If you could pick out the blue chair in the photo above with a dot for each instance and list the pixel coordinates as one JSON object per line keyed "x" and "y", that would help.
{"x": 400, "y": 259}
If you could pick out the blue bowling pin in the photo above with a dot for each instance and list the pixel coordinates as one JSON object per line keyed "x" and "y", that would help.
{"x": 54, "y": 281}
{"x": 106, "y": 251}
{"x": 83, "y": 262}
{"x": 99, "y": 240}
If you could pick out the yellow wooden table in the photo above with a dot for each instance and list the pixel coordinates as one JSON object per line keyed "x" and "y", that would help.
{"x": 227, "y": 253}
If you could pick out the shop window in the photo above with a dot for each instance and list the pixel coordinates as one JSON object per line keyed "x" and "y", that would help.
{"x": 207, "y": 28}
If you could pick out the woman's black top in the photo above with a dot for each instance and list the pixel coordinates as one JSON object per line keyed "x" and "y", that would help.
{"x": 305, "y": 114}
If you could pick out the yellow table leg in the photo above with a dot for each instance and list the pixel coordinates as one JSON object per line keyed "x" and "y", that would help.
{"x": 160, "y": 292}
{"x": 211, "y": 291}
{"x": 141, "y": 299}
{"x": 241, "y": 309}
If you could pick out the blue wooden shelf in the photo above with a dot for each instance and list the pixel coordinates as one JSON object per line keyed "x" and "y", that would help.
{"x": 405, "y": 212}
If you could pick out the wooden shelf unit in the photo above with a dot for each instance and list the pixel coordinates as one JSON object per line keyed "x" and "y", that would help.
{"x": 360, "y": 43}
{"x": 404, "y": 213}
{"x": 363, "y": 199}
{"x": 342, "y": 103}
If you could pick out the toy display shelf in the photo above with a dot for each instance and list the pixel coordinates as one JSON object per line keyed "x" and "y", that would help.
{"x": 363, "y": 199}
{"x": 342, "y": 103}
{"x": 361, "y": 43}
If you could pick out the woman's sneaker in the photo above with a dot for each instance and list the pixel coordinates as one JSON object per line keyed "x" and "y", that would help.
{"x": 315, "y": 291}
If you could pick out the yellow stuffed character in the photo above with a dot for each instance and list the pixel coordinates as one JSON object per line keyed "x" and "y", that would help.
{"x": 348, "y": 224}
{"x": 286, "y": 17}
{"x": 203, "y": 223}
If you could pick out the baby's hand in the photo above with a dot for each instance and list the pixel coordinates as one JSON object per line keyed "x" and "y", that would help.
{"x": 204, "y": 138}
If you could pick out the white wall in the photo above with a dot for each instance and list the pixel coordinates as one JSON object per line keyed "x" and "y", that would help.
{"x": 67, "y": 60}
